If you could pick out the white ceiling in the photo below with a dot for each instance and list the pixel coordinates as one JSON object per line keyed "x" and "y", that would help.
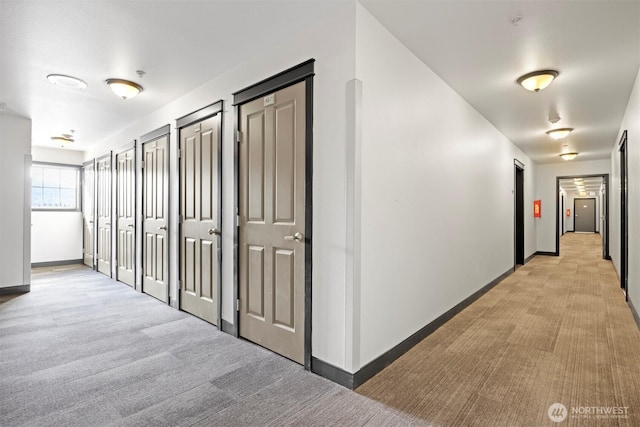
{"x": 472, "y": 45}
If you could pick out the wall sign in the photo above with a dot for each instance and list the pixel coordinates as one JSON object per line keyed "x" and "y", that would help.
{"x": 568, "y": 212}
{"x": 537, "y": 209}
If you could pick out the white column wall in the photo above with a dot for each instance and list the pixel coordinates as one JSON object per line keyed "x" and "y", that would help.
{"x": 437, "y": 194}
{"x": 331, "y": 43}
{"x": 15, "y": 201}
{"x": 546, "y": 191}
{"x": 630, "y": 123}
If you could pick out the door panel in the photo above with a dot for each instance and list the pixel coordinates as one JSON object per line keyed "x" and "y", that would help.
{"x": 272, "y": 220}
{"x": 155, "y": 179}
{"x": 125, "y": 221}
{"x": 103, "y": 254}
{"x": 88, "y": 213}
{"x": 584, "y": 215}
{"x": 199, "y": 209}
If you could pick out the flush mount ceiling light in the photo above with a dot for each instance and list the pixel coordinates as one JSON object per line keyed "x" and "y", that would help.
{"x": 125, "y": 89}
{"x": 566, "y": 154}
{"x": 559, "y": 133}
{"x": 68, "y": 82}
{"x": 62, "y": 139}
{"x": 537, "y": 80}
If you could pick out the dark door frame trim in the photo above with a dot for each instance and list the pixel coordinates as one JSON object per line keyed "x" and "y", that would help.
{"x": 605, "y": 181}
{"x": 182, "y": 122}
{"x": 624, "y": 214}
{"x": 303, "y": 72}
{"x": 518, "y": 168}
{"x": 595, "y": 213}
{"x": 144, "y": 139}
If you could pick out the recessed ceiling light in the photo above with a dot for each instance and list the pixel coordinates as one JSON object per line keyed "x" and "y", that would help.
{"x": 67, "y": 81}
{"x": 125, "y": 89}
{"x": 559, "y": 133}
{"x": 537, "y": 80}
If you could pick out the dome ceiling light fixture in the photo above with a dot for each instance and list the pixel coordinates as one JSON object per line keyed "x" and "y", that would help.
{"x": 65, "y": 138}
{"x": 125, "y": 89}
{"x": 68, "y": 82}
{"x": 566, "y": 154}
{"x": 559, "y": 133}
{"x": 537, "y": 80}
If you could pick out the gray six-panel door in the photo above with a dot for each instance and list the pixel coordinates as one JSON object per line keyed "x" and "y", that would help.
{"x": 103, "y": 209}
{"x": 155, "y": 206}
{"x": 200, "y": 218}
{"x": 272, "y": 221}
{"x": 125, "y": 217}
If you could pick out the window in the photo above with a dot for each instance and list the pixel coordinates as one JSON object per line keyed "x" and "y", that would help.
{"x": 55, "y": 187}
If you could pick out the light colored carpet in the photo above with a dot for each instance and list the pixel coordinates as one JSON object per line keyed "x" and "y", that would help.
{"x": 557, "y": 330}
{"x": 83, "y": 350}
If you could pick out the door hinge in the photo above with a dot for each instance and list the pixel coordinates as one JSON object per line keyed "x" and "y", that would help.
{"x": 238, "y": 304}
{"x": 238, "y": 136}
{"x": 180, "y": 153}
{"x": 180, "y": 219}
{"x": 142, "y": 164}
{"x": 238, "y": 219}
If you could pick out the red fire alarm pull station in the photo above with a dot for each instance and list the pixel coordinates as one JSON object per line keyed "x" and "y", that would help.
{"x": 568, "y": 212}
{"x": 537, "y": 210}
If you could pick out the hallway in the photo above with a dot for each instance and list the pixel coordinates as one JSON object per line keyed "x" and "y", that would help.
{"x": 557, "y": 330}
{"x": 81, "y": 349}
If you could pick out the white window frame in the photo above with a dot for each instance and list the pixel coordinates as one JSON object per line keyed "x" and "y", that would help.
{"x": 78, "y": 187}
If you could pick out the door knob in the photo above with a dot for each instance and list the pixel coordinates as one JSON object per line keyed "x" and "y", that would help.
{"x": 164, "y": 227}
{"x": 130, "y": 225}
{"x": 296, "y": 237}
{"x": 214, "y": 231}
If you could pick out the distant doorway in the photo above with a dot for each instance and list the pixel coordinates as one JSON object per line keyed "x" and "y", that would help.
{"x": 624, "y": 216}
{"x": 519, "y": 214}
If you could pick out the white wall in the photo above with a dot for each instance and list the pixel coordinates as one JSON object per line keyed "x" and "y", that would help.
{"x": 437, "y": 201}
{"x": 15, "y": 195}
{"x": 56, "y": 236}
{"x": 631, "y": 123}
{"x": 331, "y": 43}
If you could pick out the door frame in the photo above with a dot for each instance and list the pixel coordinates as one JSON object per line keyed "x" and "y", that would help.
{"x": 94, "y": 208}
{"x": 518, "y": 208}
{"x": 120, "y": 150}
{"x": 562, "y": 208}
{"x": 624, "y": 214}
{"x": 595, "y": 213}
{"x": 182, "y": 122}
{"x": 605, "y": 181}
{"x": 303, "y": 72}
{"x": 148, "y": 137}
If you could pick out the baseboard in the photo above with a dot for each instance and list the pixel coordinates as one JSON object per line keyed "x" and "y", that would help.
{"x": 635, "y": 314}
{"x": 608, "y": 257}
{"x": 545, "y": 253}
{"x": 22, "y": 289}
{"x": 228, "y": 327}
{"x": 333, "y": 373}
{"x": 56, "y": 263}
{"x": 352, "y": 381}
{"x": 530, "y": 257}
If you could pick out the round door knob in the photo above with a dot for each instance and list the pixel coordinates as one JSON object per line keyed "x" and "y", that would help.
{"x": 297, "y": 237}
{"x": 214, "y": 231}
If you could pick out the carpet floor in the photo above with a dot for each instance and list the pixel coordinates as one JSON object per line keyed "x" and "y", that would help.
{"x": 83, "y": 350}
{"x": 557, "y": 330}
